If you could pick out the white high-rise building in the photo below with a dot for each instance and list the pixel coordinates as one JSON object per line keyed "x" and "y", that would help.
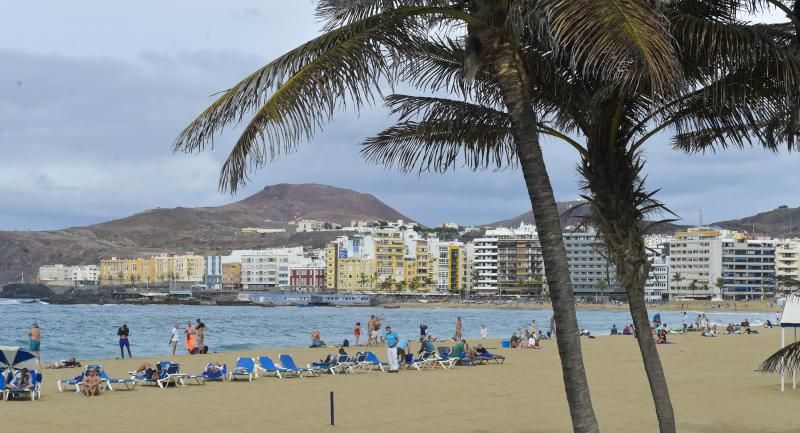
{"x": 268, "y": 269}
{"x": 657, "y": 284}
{"x": 695, "y": 263}
{"x": 509, "y": 261}
{"x": 593, "y": 275}
{"x": 748, "y": 267}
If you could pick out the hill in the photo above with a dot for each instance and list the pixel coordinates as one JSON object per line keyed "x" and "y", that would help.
{"x": 204, "y": 230}
{"x": 780, "y": 222}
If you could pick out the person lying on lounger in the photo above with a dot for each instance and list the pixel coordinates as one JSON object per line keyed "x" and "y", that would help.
{"x": 215, "y": 367}
{"x": 148, "y": 370}
{"x": 90, "y": 386}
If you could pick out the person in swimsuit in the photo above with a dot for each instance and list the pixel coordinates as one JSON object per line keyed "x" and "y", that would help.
{"x": 191, "y": 335}
{"x": 90, "y": 386}
{"x": 123, "y": 333}
{"x": 357, "y": 332}
{"x": 200, "y": 329}
{"x": 459, "y": 330}
{"x": 35, "y": 337}
{"x": 21, "y": 381}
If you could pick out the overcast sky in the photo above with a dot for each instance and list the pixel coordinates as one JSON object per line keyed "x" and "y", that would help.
{"x": 93, "y": 93}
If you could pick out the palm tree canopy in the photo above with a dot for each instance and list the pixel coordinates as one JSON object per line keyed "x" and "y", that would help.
{"x": 370, "y": 44}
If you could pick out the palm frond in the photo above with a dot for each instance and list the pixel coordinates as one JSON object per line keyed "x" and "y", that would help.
{"x": 627, "y": 41}
{"x": 337, "y": 13}
{"x": 785, "y": 360}
{"x": 447, "y": 130}
{"x": 344, "y": 66}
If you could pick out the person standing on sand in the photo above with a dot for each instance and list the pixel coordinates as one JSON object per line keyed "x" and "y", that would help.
{"x": 484, "y": 332}
{"x": 378, "y": 337}
{"x": 391, "y": 343}
{"x": 173, "y": 340}
{"x": 191, "y": 334}
{"x": 459, "y": 329}
{"x": 357, "y": 332}
{"x": 35, "y": 341}
{"x": 123, "y": 332}
{"x": 370, "y": 327}
{"x": 423, "y": 331}
{"x": 201, "y": 335}
{"x": 685, "y": 322}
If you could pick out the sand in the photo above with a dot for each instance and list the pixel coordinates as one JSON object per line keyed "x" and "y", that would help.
{"x": 713, "y": 385}
{"x": 707, "y": 306}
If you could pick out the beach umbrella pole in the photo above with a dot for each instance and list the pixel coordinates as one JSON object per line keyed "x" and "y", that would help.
{"x": 783, "y": 340}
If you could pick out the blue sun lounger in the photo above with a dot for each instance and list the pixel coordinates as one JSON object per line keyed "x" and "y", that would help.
{"x": 129, "y": 384}
{"x": 34, "y": 392}
{"x": 244, "y": 367}
{"x": 267, "y": 365}
{"x": 288, "y": 363}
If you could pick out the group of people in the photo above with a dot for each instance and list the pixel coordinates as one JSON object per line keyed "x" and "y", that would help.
{"x": 194, "y": 336}
{"x": 529, "y": 337}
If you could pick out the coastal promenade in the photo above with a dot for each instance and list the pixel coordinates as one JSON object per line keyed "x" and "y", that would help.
{"x": 712, "y": 382}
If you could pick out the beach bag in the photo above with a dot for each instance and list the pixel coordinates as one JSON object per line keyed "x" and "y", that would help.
{"x": 346, "y": 343}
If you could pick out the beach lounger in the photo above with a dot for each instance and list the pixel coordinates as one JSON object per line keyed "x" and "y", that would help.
{"x": 34, "y": 392}
{"x": 172, "y": 375}
{"x": 287, "y": 362}
{"x": 426, "y": 360}
{"x": 267, "y": 365}
{"x": 343, "y": 364}
{"x": 244, "y": 367}
{"x": 200, "y": 379}
{"x": 372, "y": 361}
{"x": 109, "y": 382}
{"x": 487, "y": 358}
{"x": 444, "y": 359}
{"x": 64, "y": 384}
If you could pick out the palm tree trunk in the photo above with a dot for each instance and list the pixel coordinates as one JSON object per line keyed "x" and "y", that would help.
{"x": 514, "y": 84}
{"x": 612, "y": 176}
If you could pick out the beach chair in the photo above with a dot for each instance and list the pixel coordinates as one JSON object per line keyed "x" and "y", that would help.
{"x": 64, "y": 384}
{"x": 172, "y": 375}
{"x": 372, "y": 361}
{"x": 129, "y": 384}
{"x": 425, "y": 360}
{"x": 201, "y": 378}
{"x": 244, "y": 367}
{"x": 488, "y": 358}
{"x": 444, "y": 359}
{"x": 360, "y": 361}
{"x": 3, "y": 395}
{"x": 343, "y": 364}
{"x": 267, "y": 365}
{"x": 34, "y": 392}
{"x": 288, "y": 363}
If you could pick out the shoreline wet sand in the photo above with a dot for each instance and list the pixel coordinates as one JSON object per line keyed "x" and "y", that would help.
{"x": 712, "y": 381}
{"x": 756, "y": 306}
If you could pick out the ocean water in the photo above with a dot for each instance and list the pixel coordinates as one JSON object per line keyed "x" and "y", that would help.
{"x": 89, "y": 331}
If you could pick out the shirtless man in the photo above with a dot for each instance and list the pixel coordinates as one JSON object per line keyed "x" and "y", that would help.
{"x": 201, "y": 335}
{"x": 35, "y": 337}
{"x": 91, "y": 383}
{"x": 378, "y": 335}
{"x": 370, "y": 328}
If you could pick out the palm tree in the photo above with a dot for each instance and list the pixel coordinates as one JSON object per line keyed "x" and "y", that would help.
{"x": 693, "y": 286}
{"x": 719, "y": 284}
{"x": 738, "y": 79}
{"x": 367, "y": 42}
{"x": 677, "y": 278}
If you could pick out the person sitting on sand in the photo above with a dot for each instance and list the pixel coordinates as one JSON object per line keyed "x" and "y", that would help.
{"x": 745, "y": 323}
{"x": 748, "y": 330}
{"x": 21, "y": 381}
{"x": 661, "y": 338}
{"x": 90, "y": 386}
{"x": 768, "y": 324}
{"x": 316, "y": 339}
{"x": 585, "y": 333}
{"x": 532, "y": 343}
{"x": 514, "y": 341}
{"x": 626, "y": 331}
{"x": 614, "y": 330}
{"x": 730, "y": 329}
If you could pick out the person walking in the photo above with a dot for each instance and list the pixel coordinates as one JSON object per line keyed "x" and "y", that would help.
{"x": 35, "y": 341}
{"x": 371, "y": 336}
{"x": 173, "y": 341}
{"x": 391, "y": 343}
{"x": 123, "y": 332}
{"x": 201, "y": 329}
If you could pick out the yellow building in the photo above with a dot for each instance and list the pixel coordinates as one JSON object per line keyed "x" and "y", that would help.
{"x": 389, "y": 260}
{"x": 188, "y": 268}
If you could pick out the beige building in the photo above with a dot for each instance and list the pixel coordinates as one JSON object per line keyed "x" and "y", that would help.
{"x": 695, "y": 263}
{"x": 186, "y": 268}
{"x": 787, "y": 259}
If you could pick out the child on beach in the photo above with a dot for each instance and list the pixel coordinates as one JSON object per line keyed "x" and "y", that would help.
{"x": 357, "y": 331}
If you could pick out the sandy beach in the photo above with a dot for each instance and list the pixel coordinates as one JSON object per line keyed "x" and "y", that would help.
{"x": 707, "y": 306}
{"x": 714, "y": 390}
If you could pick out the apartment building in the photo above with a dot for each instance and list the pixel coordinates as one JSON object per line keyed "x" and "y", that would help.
{"x": 695, "y": 264}
{"x": 231, "y": 275}
{"x": 213, "y": 272}
{"x": 448, "y": 263}
{"x": 656, "y": 287}
{"x": 307, "y": 278}
{"x": 508, "y": 261}
{"x": 593, "y": 276}
{"x": 748, "y": 267}
{"x": 60, "y": 275}
{"x": 787, "y": 259}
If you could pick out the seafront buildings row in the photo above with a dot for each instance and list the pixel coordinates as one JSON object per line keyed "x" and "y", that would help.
{"x": 699, "y": 263}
